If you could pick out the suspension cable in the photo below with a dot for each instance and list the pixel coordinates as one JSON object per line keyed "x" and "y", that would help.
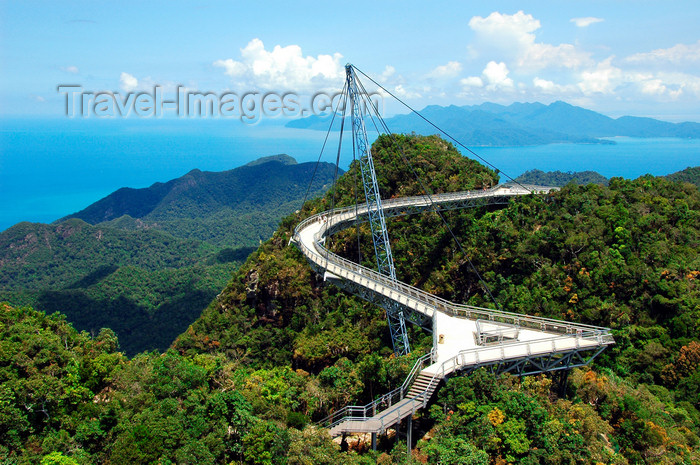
{"x": 442, "y": 131}
{"x": 323, "y": 147}
{"x": 337, "y": 165}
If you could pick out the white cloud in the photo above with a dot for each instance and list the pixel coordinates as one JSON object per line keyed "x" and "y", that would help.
{"x": 685, "y": 84}
{"x": 679, "y": 54}
{"x": 496, "y": 75}
{"x": 130, "y": 83}
{"x": 506, "y": 30}
{"x": 601, "y": 80}
{"x": 546, "y": 86}
{"x": 542, "y": 87}
{"x": 586, "y": 21}
{"x": 472, "y": 81}
{"x": 541, "y": 56}
{"x": 71, "y": 69}
{"x": 283, "y": 68}
{"x": 543, "y": 84}
{"x": 664, "y": 85}
{"x": 450, "y": 70}
{"x": 513, "y": 35}
{"x": 387, "y": 73}
{"x": 653, "y": 87}
{"x": 406, "y": 93}
{"x": 127, "y": 82}
{"x": 231, "y": 68}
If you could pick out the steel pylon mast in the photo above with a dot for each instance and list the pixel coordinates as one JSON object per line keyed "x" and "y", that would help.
{"x": 380, "y": 237}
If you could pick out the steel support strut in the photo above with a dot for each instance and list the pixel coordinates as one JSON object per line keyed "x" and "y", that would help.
{"x": 380, "y": 237}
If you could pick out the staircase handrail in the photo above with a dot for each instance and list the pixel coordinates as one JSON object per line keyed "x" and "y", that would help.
{"x": 360, "y": 412}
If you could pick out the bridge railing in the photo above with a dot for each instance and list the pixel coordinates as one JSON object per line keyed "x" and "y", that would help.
{"x": 479, "y": 356}
{"x": 501, "y": 190}
{"x": 512, "y": 351}
{"x": 394, "y": 412}
{"x": 505, "y": 190}
{"x": 417, "y": 299}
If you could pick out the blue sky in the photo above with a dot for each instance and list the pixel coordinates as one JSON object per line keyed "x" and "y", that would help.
{"x": 617, "y": 57}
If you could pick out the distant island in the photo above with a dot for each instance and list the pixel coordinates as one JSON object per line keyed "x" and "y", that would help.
{"x": 522, "y": 124}
{"x": 234, "y": 208}
{"x": 557, "y": 178}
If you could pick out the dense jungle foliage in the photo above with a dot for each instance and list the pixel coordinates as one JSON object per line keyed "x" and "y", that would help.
{"x": 279, "y": 349}
{"x": 234, "y": 208}
{"x": 146, "y": 285}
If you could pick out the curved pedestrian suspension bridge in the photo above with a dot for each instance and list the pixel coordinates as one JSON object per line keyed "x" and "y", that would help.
{"x": 464, "y": 337}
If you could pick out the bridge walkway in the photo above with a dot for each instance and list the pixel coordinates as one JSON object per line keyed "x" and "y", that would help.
{"x": 464, "y": 337}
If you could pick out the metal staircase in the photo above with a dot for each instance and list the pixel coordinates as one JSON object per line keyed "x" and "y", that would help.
{"x": 423, "y": 385}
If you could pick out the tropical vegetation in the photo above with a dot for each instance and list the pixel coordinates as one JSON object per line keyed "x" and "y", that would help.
{"x": 278, "y": 348}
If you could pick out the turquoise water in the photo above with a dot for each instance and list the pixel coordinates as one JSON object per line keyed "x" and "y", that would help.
{"x": 51, "y": 168}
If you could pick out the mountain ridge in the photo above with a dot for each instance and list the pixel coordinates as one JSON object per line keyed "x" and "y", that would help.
{"x": 202, "y": 204}
{"x": 523, "y": 124}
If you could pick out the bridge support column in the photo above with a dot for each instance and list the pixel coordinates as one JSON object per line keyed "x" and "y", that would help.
{"x": 374, "y": 441}
{"x": 409, "y": 430}
{"x": 563, "y": 382}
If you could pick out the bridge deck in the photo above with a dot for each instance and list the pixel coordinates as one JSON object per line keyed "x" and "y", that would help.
{"x": 459, "y": 337}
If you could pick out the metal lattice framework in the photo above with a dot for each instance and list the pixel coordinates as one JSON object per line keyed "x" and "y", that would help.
{"x": 375, "y": 213}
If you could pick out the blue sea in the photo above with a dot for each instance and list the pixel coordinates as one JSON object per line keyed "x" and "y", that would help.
{"x": 50, "y": 168}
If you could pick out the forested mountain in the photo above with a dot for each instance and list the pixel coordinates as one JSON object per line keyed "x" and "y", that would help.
{"x": 279, "y": 348}
{"x": 235, "y": 208}
{"x": 624, "y": 256}
{"x": 576, "y": 121}
{"x": 148, "y": 277}
{"x": 557, "y": 178}
{"x": 518, "y": 124}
